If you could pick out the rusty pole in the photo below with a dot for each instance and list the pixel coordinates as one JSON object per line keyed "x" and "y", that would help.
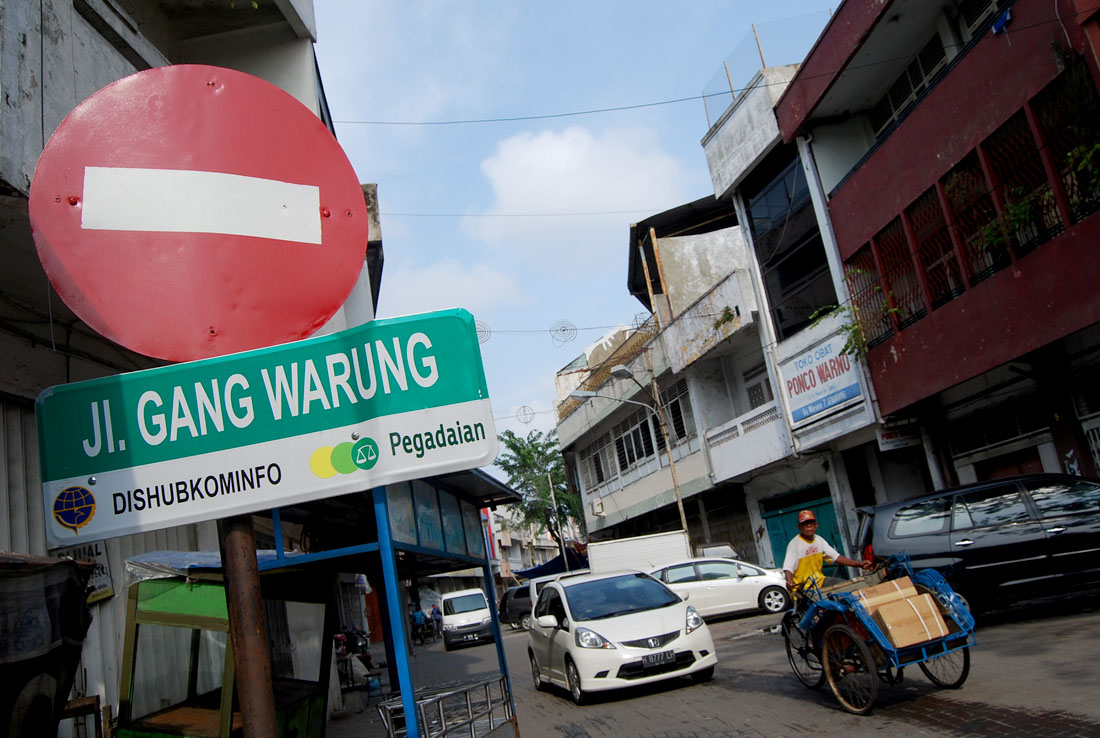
{"x": 251, "y": 661}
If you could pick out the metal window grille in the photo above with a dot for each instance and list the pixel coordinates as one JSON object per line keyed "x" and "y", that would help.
{"x": 899, "y": 273}
{"x": 975, "y": 219}
{"x": 596, "y": 462}
{"x": 935, "y": 250}
{"x": 679, "y": 414}
{"x": 868, "y": 300}
{"x": 1068, "y": 111}
{"x": 1029, "y": 212}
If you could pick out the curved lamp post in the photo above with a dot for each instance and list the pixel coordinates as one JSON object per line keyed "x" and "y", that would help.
{"x": 622, "y": 372}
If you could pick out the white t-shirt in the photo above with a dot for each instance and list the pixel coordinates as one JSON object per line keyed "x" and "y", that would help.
{"x": 805, "y": 559}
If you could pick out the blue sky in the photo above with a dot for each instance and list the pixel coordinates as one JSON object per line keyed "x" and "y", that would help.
{"x": 525, "y": 223}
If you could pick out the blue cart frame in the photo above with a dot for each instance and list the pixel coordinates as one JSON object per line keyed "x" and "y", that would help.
{"x": 831, "y": 637}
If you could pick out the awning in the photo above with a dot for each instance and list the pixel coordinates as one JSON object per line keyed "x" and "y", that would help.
{"x": 555, "y": 565}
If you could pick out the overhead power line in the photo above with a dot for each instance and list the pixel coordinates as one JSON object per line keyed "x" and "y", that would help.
{"x": 676, "y": 101}
{"x": 518, "y": 215}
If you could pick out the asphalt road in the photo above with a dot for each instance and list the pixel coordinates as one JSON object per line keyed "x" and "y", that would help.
{"x": 1034, "y": 672}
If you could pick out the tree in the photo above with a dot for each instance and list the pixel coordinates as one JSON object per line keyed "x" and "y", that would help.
{"x": 527, "y": 461}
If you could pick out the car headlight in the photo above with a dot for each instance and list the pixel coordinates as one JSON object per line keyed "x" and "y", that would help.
{"x": 586, "y": 638}
{"x": 487, "y": 619}
{"x": 448, "y": 626}
{"x": 694, "y": 620}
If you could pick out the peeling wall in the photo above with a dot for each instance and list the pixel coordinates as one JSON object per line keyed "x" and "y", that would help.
{"x": 747, "y": 130}
{"x": 693, "y": 265}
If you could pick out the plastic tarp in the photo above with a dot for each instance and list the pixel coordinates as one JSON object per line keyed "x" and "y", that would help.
{"x": 164, "y": 564}
{"x": 44, "y": 617}
{"x": 555, "y": 565}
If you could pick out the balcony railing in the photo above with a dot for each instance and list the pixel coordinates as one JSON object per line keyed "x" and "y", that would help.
{"x": 1029, "y": 180}
{"x": 631, "y": 347}
{"x": 748, "y": 441}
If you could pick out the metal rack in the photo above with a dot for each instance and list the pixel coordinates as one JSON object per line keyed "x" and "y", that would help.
{"x": 476, "y": 709}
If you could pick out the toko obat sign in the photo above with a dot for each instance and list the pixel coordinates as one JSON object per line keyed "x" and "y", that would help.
{"x": 388, "y": 401}
{"x": 820, "y": 380}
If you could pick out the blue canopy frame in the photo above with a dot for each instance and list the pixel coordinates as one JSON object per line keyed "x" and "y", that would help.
{"x": 437, "y": 519}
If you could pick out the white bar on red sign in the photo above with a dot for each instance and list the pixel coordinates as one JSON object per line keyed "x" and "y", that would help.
{"x": 185, "y": 201}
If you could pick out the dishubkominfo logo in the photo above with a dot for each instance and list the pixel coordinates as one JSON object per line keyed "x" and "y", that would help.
{"x": 74, "y": 507}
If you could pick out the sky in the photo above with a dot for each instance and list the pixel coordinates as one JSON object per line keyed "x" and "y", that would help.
{"x": 525, "y": 222}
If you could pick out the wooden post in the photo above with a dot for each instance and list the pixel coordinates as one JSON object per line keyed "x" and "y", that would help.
{"x": 248, "y": 635}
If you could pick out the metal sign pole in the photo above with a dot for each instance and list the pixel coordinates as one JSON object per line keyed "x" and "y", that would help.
{"x": 398, "y": 619}
{"x": 247, "y": 631}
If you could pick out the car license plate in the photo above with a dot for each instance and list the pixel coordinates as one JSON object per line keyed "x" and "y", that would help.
{"x": 469, "y": 637}
{"x": 658, "y": 659}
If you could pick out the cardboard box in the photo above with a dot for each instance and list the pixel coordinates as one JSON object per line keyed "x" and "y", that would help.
{"x": 895, "y": 590}
{"x": 911, "y": 621}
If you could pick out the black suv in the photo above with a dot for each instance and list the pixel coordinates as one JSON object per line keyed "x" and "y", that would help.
{"x": 515, "y": 606}
{"x": 996, "y": 541}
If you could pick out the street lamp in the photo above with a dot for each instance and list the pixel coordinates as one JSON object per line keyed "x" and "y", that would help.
{"x": 621, "y": 372}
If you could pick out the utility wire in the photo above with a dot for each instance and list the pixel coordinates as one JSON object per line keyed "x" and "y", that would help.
{"x": 738, "y": 91}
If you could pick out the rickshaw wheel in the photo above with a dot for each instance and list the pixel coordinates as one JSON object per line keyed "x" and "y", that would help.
{"x": 805, "y": 659}
{"x": 849, "y": 669}
{"x": 950, "y": 670}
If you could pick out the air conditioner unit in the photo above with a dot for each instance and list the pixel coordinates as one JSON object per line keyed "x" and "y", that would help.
{"x": 597, "y": 506}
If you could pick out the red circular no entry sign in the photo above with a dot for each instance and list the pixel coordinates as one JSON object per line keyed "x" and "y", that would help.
{"x": 191, "y": 211}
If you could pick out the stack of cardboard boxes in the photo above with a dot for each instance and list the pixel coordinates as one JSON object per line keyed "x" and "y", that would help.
{"x": 906, "y": 616}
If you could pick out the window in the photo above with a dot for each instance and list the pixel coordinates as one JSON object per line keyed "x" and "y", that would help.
{"x": 596, "y": 462}
{"x": 1065, "y": 498}
{"x": 709, "y": 570}
{"x": 908, "y": 86}
{"x": 550, "y": 604}
{"x": 757, "y": 386}
{"x": 775, "y": 203}
{"x": 634, "y": 439}
{"x": 679, "y": 415}
{"x": 798, "y": 283}
{"x": 923, "y": 518}
{"x": 682, "y": 573}
{"x": 972, "y": 13}
{"x": 994, "y": 506}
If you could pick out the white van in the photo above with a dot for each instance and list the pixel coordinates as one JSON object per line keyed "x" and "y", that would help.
{"x": 466, "y": 618}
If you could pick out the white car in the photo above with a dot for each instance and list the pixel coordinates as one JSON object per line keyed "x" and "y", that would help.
{"x": 724, "y": 586}
{"x": 593, "y": 632}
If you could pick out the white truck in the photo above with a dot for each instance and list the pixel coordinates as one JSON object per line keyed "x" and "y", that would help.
{"x": 641, "y": 553}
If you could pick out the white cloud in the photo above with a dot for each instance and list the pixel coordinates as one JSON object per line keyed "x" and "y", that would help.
{"x": 575, "y": 171}
{"x": 446, "y": 283}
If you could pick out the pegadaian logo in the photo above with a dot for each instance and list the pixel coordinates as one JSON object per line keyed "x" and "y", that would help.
{"x": 74, "y": 507}
{"x": 344, "y": 458}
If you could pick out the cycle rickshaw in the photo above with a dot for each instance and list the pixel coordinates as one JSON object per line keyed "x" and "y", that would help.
{"x": 831, "y": 637}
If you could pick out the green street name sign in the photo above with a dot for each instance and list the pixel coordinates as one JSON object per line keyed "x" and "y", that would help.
{"x": 391, "y": 400}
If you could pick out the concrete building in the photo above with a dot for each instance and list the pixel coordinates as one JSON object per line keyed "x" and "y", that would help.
{"x": 931, "y": 169}
{"x": 763, "y": 405}
{"x": 519, "y": 548}
{"x": 56, "y": 53}
{"x": 955, "y": 142}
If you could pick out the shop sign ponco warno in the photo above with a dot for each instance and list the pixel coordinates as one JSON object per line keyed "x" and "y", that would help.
{"x": 388, "y": 401}
{"x": 819, "y": 380}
